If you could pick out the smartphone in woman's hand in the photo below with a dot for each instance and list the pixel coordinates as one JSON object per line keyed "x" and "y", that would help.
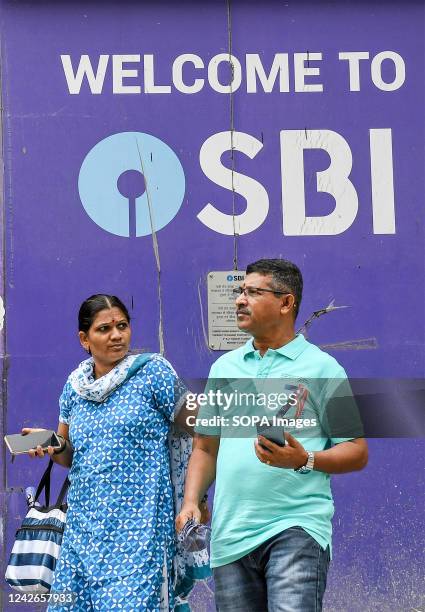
{"x": 19, "y": 444}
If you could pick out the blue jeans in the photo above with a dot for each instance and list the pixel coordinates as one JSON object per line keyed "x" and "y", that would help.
{"x": 285, "y": 574}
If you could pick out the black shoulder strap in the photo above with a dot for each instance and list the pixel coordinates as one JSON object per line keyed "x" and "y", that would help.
{"x": 63, "y": 492}
{"x": 45, "y": 484}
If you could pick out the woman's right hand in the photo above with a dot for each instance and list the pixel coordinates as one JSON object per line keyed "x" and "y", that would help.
{"x": 38, "y": 451}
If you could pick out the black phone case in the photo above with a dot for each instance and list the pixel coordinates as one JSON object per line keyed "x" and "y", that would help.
{"x": 274, "y": 433}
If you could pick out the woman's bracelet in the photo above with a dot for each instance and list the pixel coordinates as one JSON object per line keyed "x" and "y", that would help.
{"x": 63, "y": 446}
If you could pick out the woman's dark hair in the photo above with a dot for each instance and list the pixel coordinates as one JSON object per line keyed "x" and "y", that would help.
{"x": 94, "y": 304}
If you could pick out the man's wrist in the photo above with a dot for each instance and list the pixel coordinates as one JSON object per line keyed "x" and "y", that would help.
{"x": 308, "y": 466}
{"x": 298, "y": 467}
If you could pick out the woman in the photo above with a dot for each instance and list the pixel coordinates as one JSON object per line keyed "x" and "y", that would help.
{"x": 116, "y": 411}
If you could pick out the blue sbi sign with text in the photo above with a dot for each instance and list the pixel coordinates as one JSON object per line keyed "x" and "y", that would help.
{"x": 156, "y": 202}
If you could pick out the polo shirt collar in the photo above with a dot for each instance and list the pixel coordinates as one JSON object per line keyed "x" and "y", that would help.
{"x": 292, "y": 350}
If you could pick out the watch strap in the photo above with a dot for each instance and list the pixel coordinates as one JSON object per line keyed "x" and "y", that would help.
{"x": 309, "y": 465}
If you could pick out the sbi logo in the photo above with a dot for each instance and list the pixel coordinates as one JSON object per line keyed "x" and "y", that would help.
{"x": 235, "y": 277}
{"x": 131, "y": 183}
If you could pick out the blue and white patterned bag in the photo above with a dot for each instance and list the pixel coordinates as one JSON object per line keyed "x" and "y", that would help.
{"x": 38, "y": 541}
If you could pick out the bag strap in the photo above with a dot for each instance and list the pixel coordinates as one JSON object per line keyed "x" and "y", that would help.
{"x": 45, "y": 484}
{"x": 63, "y": 492}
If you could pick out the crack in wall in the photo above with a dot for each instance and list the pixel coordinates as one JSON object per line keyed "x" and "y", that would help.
{"x": 232, "y": 130}
{"x": 2, "y": 313}
{"x": 318, "y": 313}
{"x": 201, "y": 308}
{"x": 363, "y": 344}
{"x": 343, "y": 345}
{"x": 156, "y": 254}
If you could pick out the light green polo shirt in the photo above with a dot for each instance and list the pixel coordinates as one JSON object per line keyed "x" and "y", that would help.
{"x": 253, "y": 501}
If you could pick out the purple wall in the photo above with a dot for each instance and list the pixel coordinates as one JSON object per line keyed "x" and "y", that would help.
{"x": 56, "y": 255}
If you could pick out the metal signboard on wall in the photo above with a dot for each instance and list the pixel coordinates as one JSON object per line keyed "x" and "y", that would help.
{"x": 223, "y": 332}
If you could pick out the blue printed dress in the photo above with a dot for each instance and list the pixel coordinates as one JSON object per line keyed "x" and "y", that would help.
{"x": 118, "y": 546}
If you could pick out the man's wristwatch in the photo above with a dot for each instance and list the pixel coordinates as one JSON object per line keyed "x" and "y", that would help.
{"x": 305, "y": 469}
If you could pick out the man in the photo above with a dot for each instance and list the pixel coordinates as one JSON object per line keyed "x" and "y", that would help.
{"x": 271, "y": 529}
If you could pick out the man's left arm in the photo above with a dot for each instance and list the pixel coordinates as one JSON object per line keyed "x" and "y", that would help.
{"x": 344, "y": 457}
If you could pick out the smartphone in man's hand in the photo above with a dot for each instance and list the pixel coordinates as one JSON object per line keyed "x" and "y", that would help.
{"x": 274, "y": 433}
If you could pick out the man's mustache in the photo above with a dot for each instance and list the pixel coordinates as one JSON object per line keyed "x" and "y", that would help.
{"x": 242, "y": 311}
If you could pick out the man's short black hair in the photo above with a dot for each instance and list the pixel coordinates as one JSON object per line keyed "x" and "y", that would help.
{"x": 285, "y": 274}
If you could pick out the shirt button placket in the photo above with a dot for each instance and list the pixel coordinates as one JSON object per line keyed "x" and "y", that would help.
{"x": 264, "y": 365}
